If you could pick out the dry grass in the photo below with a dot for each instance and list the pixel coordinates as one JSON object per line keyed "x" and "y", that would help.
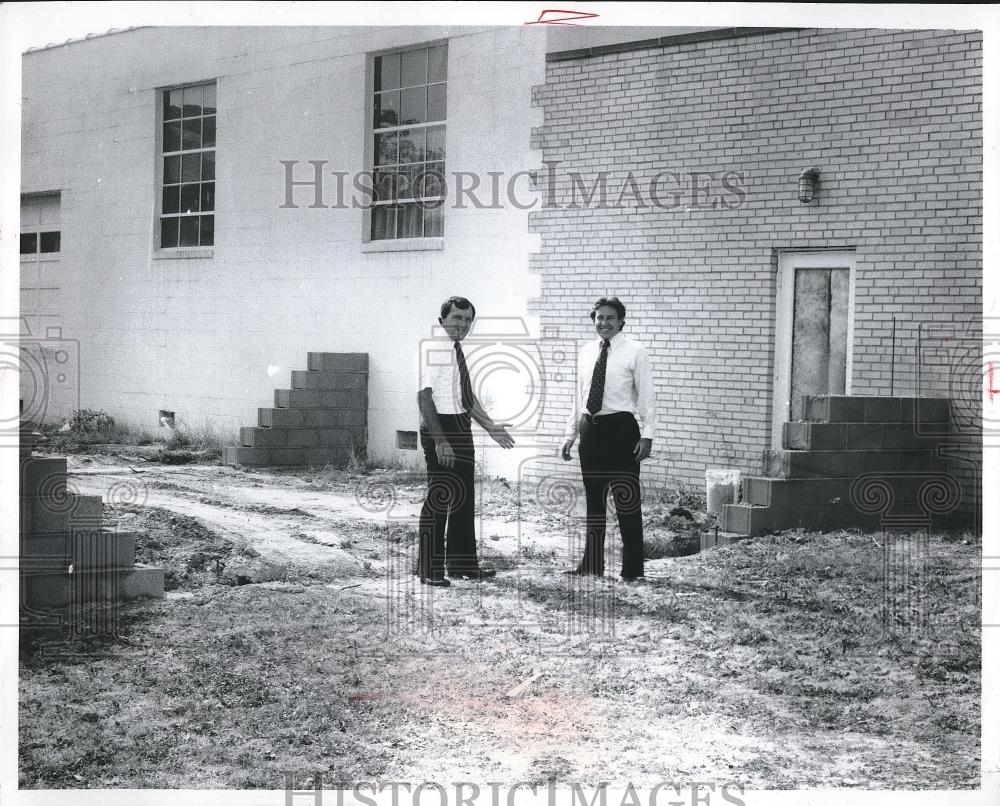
{"x": 782, "y": 640}
{"x": 88, "y": 430}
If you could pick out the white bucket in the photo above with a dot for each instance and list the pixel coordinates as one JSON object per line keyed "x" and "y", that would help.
{"x": 720, "y": 489}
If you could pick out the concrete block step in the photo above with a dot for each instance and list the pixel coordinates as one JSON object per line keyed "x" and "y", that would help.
{"x": 281, "y": 418}
{"x": 338, "y": 362}
{"x": 62, "y": 589}
{"x": 786, "y": 464}
{"x": 43, "y": 476}
{"x": 144, "y": 580}
{"x": 321, "y": 399}
{"x": 745, "y": 519}
{"x": 865, "y": 409}
{"x": 711, "y": 540}
{"x": 860, "y": 436}
{"x": 895, "y": 487}
{"x": 312, "y": 418}
{"x": 27, "y": 440}
{"x": 321, "y": 379}
{"x": 257, "y": 437}
{"x": 59, "y": 512}
{"x": 262, "y": 457}
{"x": 88, "y": 511}
{"x": 84, "y": 550}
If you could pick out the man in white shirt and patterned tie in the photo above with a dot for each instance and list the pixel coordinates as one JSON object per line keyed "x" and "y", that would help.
{"x": 448, "y": 405}
{"x": 614, "y": 414}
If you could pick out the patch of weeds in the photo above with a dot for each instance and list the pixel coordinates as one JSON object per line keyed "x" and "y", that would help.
{"x": 403, "y": 534}
{"x": 85, "y": 428}
{"x": 267, "y": 509}
{"x": 824, "y": 714}
{"x": 175, "y": 457}
{"x": 656, "y": 545}
{"x": 665, "y": 610}
{"x": 657, "y": 507}
{"x": 749, "y": 633}
{"x": 497, "y": 560}
{"x": 950, "y": 665}
{"x": 955, "y": 722}
{"x": 530, "y": 551}
{"x": 89, "y": 421}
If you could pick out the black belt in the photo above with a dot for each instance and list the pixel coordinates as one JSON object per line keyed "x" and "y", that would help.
{"x": 595, "y": 419}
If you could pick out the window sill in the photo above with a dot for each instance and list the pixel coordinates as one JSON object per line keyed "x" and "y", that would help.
{"x": 184, "y": 254}
{"x": 404, "y": 245}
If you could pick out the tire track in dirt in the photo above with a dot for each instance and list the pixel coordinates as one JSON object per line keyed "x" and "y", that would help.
{"x": 269, "y": 532}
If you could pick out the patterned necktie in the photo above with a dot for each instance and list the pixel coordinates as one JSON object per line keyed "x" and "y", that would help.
{"x": 595, "y": 400}
{"x": 463, "y": 378}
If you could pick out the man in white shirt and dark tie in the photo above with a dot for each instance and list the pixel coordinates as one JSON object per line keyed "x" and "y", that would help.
{"x": 614, "y": 414}
{"x": 448, "y": 405}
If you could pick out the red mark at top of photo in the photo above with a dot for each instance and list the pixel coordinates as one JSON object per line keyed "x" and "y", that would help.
{"x": 556, "y": 16}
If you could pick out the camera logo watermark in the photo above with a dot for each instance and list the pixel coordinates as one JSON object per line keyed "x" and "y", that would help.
{"x": 47, "y": 367}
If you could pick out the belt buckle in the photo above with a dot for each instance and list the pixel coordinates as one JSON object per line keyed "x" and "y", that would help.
{"x": 590, "y": 418}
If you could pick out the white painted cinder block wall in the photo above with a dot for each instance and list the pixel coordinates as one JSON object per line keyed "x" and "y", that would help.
{"x": 211, "y": 338}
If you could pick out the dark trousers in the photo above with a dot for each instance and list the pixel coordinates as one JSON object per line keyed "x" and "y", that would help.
{"x": 606, "y": 460}
{"x": 451, "y": 500}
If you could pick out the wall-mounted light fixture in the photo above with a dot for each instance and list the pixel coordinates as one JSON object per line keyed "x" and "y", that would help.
{"x": 808, "y": 180}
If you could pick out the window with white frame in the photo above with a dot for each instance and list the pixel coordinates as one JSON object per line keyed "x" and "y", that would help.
{"x": 409, "y": 111}
{"x": 40, "y": 230}
{"x": 41, "y": 267}
{"x": 187, "y": 162}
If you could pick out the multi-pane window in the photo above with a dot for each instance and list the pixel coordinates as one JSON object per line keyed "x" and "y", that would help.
{"x": 40, "y": 233}
{"x": 42, "y": 303}
{"x": 36, "y": 242}
{"x": 187, "y": 204}
{"x": 410, "y": 92}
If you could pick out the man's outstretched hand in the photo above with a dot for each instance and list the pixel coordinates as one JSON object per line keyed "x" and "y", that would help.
{"x": 500, "y": 436}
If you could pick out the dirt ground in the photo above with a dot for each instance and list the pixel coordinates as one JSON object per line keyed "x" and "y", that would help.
{"x": 294, "y": 637}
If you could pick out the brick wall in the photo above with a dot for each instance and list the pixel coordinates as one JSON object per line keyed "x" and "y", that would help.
{"x": 893, "y": 121}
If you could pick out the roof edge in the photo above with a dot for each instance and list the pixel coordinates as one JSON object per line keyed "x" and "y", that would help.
{"x": 663, "y": 42}
{"x": 87, "y": 38}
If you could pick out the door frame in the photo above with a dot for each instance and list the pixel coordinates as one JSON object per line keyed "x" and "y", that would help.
{"x": 789, "y": 260}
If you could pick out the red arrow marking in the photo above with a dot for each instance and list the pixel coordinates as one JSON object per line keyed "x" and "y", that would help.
{"x": 545, "y": 17}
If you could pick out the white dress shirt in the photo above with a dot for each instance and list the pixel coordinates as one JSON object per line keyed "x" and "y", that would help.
{"x": 628, "y": 384}
{"x": 439, "y": 373}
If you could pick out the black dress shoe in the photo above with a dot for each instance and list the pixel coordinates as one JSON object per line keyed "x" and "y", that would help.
{"x": 633, "y": 579}
{"x": 437, "y": 583}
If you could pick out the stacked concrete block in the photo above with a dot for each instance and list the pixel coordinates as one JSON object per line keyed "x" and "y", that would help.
{"x": 866, "y": 462}
{"x": 321, "y": 419}
{"x": 67, "y": 556}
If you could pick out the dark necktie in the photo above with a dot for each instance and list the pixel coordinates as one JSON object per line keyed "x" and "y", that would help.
{"x": 595, "y": 400}
{"x": 463, "y": 378}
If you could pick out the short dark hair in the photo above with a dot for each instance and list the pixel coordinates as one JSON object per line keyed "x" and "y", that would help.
{"x": 459, "y": 302}
{"x": 611, "y": 302}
